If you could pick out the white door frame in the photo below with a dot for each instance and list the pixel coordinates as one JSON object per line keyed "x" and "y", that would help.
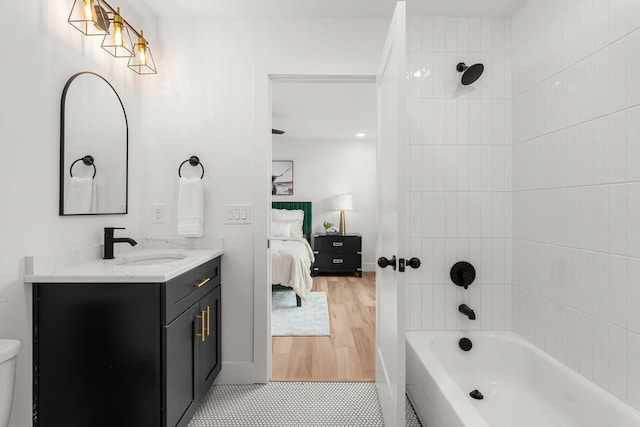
{"x": 264, "y": 74}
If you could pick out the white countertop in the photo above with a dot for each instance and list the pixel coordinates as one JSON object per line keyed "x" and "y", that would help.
{"x": 127, "y": 268}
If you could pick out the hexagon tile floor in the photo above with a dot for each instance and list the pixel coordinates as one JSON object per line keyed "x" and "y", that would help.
{"x": 293, "y": 404}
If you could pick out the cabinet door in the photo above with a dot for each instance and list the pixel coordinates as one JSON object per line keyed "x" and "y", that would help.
{"x": 97, "y": 355}
{"x": 210, "y": 349}
{"x": 182, "y": 359}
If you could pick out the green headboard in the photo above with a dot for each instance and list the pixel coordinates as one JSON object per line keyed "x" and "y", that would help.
{"x": 305, "y": 207}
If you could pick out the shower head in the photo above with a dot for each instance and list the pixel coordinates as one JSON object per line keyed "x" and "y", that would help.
{"x": 470, "y": 74}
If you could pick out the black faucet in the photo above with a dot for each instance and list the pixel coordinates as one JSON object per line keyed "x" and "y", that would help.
{"x": 109, "y": 240}
{"x": 464, "y": 309}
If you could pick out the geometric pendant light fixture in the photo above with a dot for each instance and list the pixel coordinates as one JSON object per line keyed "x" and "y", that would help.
{"x": 142, "y": 61}
{"x": 89, "y": 17}
{"x": 118, "y": 42}
{"x": 99, "y": 18}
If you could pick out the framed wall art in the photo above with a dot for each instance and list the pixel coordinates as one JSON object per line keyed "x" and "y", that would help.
{"x": 282, "y": 178}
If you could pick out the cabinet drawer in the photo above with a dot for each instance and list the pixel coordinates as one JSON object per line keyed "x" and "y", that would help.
{"x": 337, "y": 244}
{"x": 337, "y": 262}
{"x": 183, "y": 291}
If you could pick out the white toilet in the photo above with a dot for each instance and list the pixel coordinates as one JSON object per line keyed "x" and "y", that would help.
{"x": 8, "y": 351}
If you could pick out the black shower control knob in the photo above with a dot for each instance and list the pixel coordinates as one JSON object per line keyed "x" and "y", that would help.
{"x": 463, "y": 274}
{"x": 467, "y": 278}
{"x": 383, "y": 262}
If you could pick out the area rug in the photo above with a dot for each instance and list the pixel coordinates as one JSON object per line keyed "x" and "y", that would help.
{"x": 312, "y": 319}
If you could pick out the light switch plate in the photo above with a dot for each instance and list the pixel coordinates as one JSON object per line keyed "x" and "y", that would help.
{"x": 237, "y": 214}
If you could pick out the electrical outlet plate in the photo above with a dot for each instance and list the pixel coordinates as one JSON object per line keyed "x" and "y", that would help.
{"x": 158, "y": 213}
{"x": 237, "y": 214}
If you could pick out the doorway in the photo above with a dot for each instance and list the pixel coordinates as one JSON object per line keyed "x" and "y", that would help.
{"x": 329, "y": 141}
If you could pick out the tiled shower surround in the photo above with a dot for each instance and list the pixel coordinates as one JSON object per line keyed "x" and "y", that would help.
{"x": 533, "y": 175}
{"x": 576, "y": 186}
{"x": 460, "y": 172}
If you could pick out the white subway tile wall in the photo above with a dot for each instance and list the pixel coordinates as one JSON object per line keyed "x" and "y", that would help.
{"x": 576, "y": 186}
{"x": 459, "y": 153}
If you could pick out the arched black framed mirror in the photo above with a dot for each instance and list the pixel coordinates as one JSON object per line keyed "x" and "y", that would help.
{"x": 94, "y": 146}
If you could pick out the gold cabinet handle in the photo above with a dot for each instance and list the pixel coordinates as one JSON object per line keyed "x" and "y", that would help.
{"x": 202, "y": 326}
{"x": 208, "y": 317}
{"x": 202, "y": 282}
{"x": 338, "y": 260}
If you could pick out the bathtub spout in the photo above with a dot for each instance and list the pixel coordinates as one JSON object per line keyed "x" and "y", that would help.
{"x": 464, "y": 309}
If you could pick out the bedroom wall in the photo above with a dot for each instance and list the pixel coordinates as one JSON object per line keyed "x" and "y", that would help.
{"x": 460, "y": 166}
{"x": 323, "y": 169}
{"x": 577, "y": 185}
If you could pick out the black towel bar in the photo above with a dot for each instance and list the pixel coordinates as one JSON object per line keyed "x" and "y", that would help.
{"x": 87, "y": 160}
{"x": 193, "y": 161}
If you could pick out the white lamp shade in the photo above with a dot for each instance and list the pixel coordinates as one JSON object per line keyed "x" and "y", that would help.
{"x": 343, "y": 202}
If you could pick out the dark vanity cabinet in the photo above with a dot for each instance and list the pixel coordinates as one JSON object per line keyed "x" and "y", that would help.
{"x": 125, "y": 354}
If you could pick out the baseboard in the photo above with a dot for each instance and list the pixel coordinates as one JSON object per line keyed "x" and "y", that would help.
{"x": 368, "y": 266}
{"x": 235, "y": 373}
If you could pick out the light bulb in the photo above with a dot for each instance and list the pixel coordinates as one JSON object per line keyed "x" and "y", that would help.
{"x": 87, "y": 10}
{"x": 142, "y": 54}
{"x": 117, "y": 34}
{"x": 142, "y": 49}
{"x": 116, "y": 37}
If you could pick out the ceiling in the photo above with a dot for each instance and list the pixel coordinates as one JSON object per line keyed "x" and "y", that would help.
{"x": 324, "y": 110}
{"x": 485, "y": 8}
{"x": 329, "y": 8}
{"x": 305, "y": 8}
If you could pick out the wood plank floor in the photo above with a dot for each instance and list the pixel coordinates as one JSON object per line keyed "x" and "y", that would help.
{"x": 348, "y": 354}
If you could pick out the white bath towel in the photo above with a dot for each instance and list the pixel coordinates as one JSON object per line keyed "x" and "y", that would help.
{"x": 81, "y": 196}
{"x": 190, "y": 207}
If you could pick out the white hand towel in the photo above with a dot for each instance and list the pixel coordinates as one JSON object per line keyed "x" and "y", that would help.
{"x": 80, "y": 195}
{"x": 190, "y": 207}
{"x": 94, "y": 197}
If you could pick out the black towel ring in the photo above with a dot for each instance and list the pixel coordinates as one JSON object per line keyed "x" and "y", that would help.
{"x": 87, "y": 160}
{"x": 193, "y": 161}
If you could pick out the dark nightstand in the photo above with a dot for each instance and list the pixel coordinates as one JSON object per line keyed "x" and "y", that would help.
{"x": 337, "y": 253}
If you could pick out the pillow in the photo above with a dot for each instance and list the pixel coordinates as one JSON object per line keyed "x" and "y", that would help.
{"x": 295, "y": 229}
{"x": 294, "y": 216}
{"x": 281, "y": 229}
{"x": 286, "y": 229}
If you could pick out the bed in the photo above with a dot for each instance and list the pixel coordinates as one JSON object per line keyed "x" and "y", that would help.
{"x": 291, "y": 254}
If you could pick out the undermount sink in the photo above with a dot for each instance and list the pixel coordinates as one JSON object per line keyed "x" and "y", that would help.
{"x": 150, "y": 259}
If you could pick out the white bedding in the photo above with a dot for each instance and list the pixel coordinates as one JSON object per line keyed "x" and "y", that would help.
{"x": 291, "y": 259}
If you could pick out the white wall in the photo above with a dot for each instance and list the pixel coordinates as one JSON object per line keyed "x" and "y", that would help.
{"x": 203, "y": 104}
{"x": 576, "y": 202}
{"x": 41, "y": 51}
{"x": 323, "y": 169}
{"x": 460, "y": 164}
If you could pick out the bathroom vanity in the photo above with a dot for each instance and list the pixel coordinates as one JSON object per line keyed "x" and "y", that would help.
{"x": 127, "y": 342}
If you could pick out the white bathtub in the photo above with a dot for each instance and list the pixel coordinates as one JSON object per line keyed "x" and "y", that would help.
{"x": 522, "y": 385}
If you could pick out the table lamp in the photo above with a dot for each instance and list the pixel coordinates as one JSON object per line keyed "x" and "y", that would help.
{"x": 343, "y": 202}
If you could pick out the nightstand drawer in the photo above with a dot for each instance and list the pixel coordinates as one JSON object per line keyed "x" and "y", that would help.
{"x": 338, "y": 262}
{"x": 337, "y": 244}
